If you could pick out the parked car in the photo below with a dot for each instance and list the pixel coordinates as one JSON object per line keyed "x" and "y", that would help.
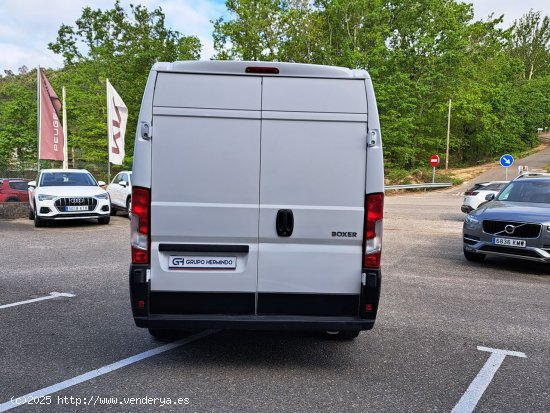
{"x": 475, "y": 196}
{"x": 60, "y": 194}
{"x": 14, "y": 190}
{"x": 120, "y": 191}
{"x": 516, "y": 223}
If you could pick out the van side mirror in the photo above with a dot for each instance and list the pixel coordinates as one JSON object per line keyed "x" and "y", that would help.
{"x": 101, "y": 183}
{"x": 32, "y": 184}
{"x": 489, "y": 197}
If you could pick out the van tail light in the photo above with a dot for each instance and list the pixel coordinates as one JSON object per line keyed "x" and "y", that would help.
{"x": 140, "y": 225}
{"x": 372, "y": 239}
{"x": 262, "y": 69}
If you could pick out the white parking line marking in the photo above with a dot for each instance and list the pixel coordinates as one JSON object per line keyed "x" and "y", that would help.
{"x": 469, "y": 400}
{"x": 21, "y": 400}
{"x": 34, "y": 300}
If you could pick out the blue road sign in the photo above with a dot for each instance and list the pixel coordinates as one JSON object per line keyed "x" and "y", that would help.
{"x": 507, "y": 160}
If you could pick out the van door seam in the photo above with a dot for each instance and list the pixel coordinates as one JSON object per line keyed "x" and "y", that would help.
{"x": 259, "y": 198}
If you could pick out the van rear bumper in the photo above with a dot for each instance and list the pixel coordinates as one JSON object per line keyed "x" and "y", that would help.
{"x": 252, "y": 322}
{"x": 249, "y": 311}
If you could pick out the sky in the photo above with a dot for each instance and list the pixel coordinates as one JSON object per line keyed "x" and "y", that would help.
{"x": 27, "y": 26}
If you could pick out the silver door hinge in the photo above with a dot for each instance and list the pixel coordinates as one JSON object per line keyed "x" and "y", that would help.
{"x": 372, "y": 138}
{"x": 145, "y": 129}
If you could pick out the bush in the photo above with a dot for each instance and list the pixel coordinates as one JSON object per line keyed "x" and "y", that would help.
{"x": 398, "y": 176}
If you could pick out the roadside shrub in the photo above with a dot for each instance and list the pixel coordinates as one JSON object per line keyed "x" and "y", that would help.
{"x": 398, "y": 176}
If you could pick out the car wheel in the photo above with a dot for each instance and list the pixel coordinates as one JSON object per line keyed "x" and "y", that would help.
{"x": 31, "y": 214}
{"x": 473, "y": 257}
{"x": 164, "y": 334}
{"x": 113, "y": 211}
{"x": 13, "y": 200}
{"x": 343, "y": 335}
{"x": 38, "y": 222}
{"x": 104, "y": 220}
{"x": 129, "y": 206}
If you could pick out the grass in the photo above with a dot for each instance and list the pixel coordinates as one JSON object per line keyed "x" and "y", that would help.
{"x": 403, "y": 176}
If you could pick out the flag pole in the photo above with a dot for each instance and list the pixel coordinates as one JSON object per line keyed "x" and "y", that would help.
{"x": 108, "y": 134}
{"x": 448, "y": 138}
{"x": 38, "y": 114}
{"x": 65, "y": 149}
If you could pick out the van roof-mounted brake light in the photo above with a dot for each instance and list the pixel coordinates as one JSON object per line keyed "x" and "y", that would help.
{"x": 262, "y": 69}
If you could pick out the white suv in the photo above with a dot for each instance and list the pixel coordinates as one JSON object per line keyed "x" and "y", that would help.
{"x": 475, "y": 196}
{"x": 61, "y": 194}
{"x": 120, "y": 191}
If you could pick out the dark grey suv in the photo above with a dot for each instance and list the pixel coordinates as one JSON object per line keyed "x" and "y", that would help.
{"x": 516, "y": 223}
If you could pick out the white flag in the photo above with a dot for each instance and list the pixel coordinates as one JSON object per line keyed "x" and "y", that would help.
{"x": 117, "y": 116}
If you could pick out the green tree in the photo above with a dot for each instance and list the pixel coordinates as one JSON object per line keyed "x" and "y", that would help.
{"x": 530, "y": 43}
{"x": 254, "y": 31}
{"x": 18, "y": 143}
{"x": 121, "y": 46}
{"x": 419, "y": 53}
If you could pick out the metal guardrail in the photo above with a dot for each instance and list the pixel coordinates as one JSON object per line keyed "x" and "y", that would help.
{"x": 418, "y": 186}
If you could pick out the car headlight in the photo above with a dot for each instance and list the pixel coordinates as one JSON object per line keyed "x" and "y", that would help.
{"x": 43, "y": 197}
{"x": 102, "y": 196}
{"x": 472, "y": 221}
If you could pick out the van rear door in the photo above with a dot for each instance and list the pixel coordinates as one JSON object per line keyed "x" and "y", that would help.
{"x": 313, "y": 163}
{"x": 206, "y": 164}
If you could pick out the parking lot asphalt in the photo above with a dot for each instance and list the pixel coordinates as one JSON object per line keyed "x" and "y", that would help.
{"x": 422, "y": 355}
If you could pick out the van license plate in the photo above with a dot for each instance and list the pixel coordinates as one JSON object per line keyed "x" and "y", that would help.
{"x": 185, "y": 262}
{"x": 76, "y": 208}
{"x": 508, "y": 242}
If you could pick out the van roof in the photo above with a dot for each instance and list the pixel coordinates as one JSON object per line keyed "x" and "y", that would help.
{"x": 238, "y": 68}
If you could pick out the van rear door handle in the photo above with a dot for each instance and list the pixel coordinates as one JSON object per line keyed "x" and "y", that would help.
{"x": 285, "y": 222}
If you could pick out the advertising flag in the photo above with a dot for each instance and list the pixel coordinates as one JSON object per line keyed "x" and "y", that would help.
{"x": 51, "y": 139}
{"x": 117, "y": 116}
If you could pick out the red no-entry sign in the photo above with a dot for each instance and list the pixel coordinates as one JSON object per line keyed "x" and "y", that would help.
{"x": 434, "y": 160}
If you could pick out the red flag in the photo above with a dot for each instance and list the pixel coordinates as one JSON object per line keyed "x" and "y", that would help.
{"x": 52, "y": 138}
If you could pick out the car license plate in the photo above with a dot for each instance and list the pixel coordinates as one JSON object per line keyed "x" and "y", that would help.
{"x": 508, "y": 242}
{"x": 186, "y": 262}
{"x": 76, "y": 208}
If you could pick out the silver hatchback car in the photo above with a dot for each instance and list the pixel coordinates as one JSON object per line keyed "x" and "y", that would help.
{"x": 516, "y": 223}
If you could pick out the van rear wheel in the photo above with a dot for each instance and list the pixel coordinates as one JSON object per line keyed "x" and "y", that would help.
{"x": 344, "y": 335}
{"x": 164, "y": 334}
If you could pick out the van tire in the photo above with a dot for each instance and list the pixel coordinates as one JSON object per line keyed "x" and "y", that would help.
{"x": 473, "y": 257}
{"x": 344, "y": 335}
{"x": 164, "y": 334}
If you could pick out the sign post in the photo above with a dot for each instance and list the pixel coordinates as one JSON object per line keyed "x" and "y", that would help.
{"x": 506, "y": 161}
{"x": 434, "y": 161}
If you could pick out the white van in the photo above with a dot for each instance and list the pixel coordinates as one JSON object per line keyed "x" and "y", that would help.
{"x": 257, "y": 199}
